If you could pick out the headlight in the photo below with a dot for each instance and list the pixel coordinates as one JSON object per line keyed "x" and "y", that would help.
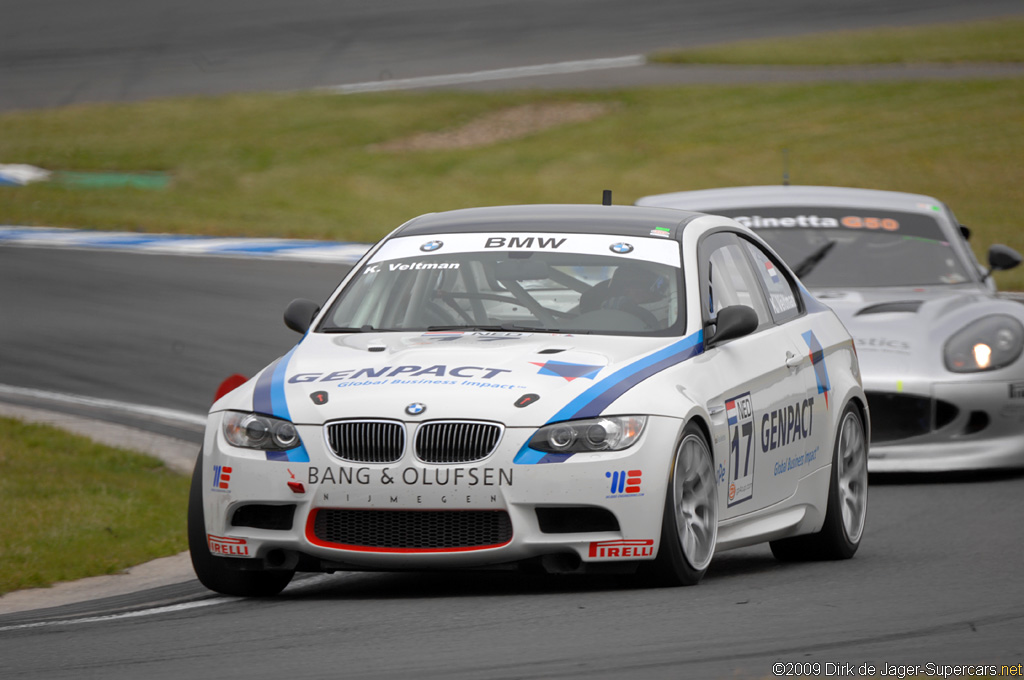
{"x": 255, "y": 431}
{"x": 987, "y": 344}
{"x": 612, "y": 433}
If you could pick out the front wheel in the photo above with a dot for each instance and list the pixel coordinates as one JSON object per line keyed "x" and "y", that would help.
{"x": 690, "y": 524}
{"x": 216, "y": 573}
{"x": 847, "y": 508}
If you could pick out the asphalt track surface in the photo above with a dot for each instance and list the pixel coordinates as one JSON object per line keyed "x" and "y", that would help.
{"x": 937, "y": 579}
{"x": 62, "y": 52}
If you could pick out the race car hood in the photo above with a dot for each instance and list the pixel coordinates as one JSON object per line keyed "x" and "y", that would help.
{"x": 519, "y": 379}
{"x": 899, "y": 333}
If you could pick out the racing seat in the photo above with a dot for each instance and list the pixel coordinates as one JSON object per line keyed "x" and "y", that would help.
{"x": 628, "y": 288}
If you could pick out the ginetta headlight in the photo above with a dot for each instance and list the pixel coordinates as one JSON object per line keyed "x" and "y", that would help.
{"x": 609, "y": 433}
{"x": 987, "y": 344}
{"x": 256, "y": 431}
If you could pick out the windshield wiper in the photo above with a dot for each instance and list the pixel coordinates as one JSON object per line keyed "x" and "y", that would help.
{"x": 807, "y": 265}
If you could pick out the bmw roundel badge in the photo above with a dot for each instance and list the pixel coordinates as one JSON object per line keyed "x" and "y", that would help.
{"x": 415, "y": 409}
{"x": 431, "y": 246}
{"x": 621, "y": 248}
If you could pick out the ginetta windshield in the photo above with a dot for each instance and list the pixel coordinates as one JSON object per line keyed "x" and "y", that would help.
{"x": 857, "y": 247}
{"x": 542, "y": 282}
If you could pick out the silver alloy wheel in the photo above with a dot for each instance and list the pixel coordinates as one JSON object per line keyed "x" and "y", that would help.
{"x": 853, "y": 476}
{"x": 695, "y": 499}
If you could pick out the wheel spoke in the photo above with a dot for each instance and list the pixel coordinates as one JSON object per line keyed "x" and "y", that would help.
{"x": 851, "y": 460}
{"x": 695, "y": 502}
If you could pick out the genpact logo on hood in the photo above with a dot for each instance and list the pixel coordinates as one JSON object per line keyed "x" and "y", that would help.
{"x": 411, "y": 370}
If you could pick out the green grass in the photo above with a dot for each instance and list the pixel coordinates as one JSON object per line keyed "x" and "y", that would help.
{"x": 302, "y": 166}
{"x": 997, "y": 40}
{"x": 72, "y": 508}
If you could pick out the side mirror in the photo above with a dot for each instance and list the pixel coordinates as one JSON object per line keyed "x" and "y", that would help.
{"x": 1001, "y": 258}
{"x": 965, "y": 231}
{"x": 733, "y": 322}
{"x": 299, "y": 314}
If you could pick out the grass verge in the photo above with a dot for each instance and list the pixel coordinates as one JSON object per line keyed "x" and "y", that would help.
{"x": 312, "y": 165}
{"x": 994, "y": 41}
{"x": 73, "y": 508}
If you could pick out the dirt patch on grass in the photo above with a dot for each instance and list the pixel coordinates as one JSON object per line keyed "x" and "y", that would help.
{"x": 500, "y": 126}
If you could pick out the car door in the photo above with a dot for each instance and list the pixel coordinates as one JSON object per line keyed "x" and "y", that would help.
{"x": 758, "y": 400}
{"x": 795, "y": 456}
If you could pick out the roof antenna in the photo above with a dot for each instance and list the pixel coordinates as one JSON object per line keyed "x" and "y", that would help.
{"x": 785, "y": 167}
{"x": 606, "y": 198}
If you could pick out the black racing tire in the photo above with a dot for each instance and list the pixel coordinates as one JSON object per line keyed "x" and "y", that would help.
{"x": 689, "y": 528}
{"x": 846, "y": 512}
{"x": 217, "y": 573}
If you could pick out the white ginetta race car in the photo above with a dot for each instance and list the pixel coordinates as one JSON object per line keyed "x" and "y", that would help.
{"x": 940, "y": 350}
{"x": 579, "y": 388}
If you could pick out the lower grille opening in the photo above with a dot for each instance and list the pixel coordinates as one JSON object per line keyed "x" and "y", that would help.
{"x": 897, "y": 416}
{"x": 945, "y": 413}
{"x": 976, "y": 423}
{"x": 274, "y": 517}
{"x": 411, "y": 530}
{"x": 580, "y": 519}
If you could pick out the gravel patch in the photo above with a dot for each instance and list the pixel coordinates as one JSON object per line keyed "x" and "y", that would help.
{"x": 500, "y": 126}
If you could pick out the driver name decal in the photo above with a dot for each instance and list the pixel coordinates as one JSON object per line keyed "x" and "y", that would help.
{"x": 410, "y": 266}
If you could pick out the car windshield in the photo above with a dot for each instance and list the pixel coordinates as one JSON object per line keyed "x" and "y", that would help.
{"x": 855, "y": 247}
{"x": 549, "y": 282}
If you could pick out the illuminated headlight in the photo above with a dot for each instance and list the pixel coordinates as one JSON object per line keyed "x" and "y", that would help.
{"x": 985, "y": 345}
{"x": 255, "y": 431}
{"x": 612, "y": 433}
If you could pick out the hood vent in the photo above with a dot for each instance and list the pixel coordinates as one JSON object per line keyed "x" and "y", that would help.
{"x": 906, "y": 306}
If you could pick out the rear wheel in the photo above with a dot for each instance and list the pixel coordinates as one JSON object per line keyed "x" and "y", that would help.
{"x": 847, "y": 507}
{"x": 217, "y": 573}
{"x": 690, "y": 524}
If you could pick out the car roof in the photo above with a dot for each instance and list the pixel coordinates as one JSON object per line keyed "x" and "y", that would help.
{"x": 709, "y": 200}
{"x": 625, "y": 220}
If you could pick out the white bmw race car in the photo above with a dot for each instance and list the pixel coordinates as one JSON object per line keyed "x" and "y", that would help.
{"x": 942, "y": 352}
{"x": 576, "y": 388}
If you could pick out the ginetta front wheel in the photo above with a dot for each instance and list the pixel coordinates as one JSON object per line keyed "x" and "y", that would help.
{"x": 690, "y": 524}
{"x": 217, "y": 573}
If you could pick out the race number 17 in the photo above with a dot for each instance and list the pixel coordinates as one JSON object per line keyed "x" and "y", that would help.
{"x": 740, "y": 414}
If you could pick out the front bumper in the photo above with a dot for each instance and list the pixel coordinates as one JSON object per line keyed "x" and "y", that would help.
{"x": 328, "y": 514}
{"x": 947, "y": 426}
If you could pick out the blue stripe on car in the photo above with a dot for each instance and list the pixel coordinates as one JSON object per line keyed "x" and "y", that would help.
{"x": 599, "y": 396}
{"x": 268, "y": 398}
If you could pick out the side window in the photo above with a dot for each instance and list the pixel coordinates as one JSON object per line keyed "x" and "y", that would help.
{"x": 730, "y": 280}
{"x": 783, "y": 296}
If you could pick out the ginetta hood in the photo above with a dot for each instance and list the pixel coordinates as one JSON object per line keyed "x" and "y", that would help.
{"x": 520, "y": 379}
{"x": 901, "y": 331}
